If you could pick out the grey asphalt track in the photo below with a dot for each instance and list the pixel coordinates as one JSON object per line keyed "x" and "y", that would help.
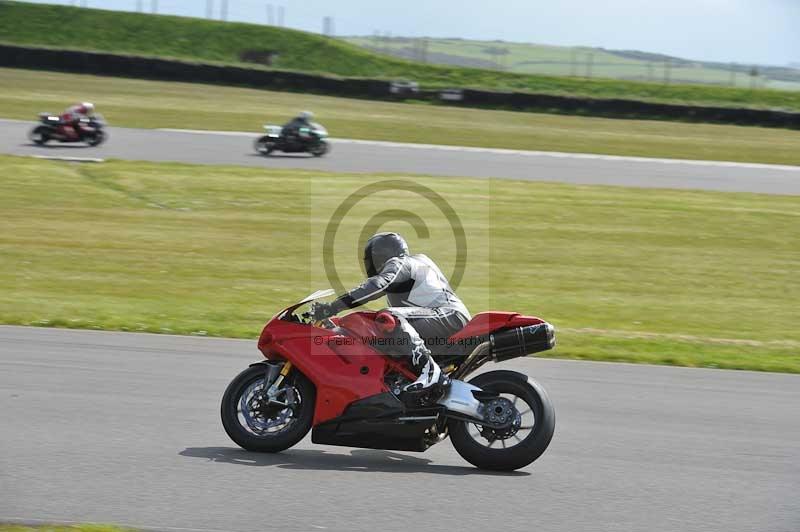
{"x": 124, "y": 428}
{"x": 377, "y": 157}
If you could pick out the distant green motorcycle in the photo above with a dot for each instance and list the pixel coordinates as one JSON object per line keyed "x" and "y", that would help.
{"x": 305, "y": 140}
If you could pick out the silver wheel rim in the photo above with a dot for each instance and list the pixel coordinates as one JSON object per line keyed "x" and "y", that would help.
{"x": 260, "y": 425}
{"x": 525, "y": 423}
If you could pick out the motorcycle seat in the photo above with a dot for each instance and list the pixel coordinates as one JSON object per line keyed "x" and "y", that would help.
{"x": 485, "y": 323}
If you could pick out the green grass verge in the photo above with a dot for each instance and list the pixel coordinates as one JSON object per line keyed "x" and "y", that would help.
{"x": 62, "y": 528}
{"x": 667, "y": 277}
{"x": 197, "y": 39}
{"x": 151, "y": 104}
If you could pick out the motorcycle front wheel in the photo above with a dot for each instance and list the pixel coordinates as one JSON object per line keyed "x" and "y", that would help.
{"x": 320, "y": 148}
{"x": 96, "y": 138}
{"x": 39, "y": 136}
{"x": 530, "y": 423}
{"x": 265, "y": 424}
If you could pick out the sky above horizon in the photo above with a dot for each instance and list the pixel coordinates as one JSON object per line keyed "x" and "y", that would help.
{"x": 742, "y": 31}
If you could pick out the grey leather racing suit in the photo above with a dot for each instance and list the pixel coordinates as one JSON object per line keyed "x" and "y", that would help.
{"x": 420, "y": 297}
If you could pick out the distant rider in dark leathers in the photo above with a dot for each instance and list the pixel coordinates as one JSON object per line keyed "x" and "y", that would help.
{"x": 291, "y": 130}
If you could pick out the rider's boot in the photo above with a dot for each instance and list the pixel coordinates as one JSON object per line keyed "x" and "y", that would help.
{"x": 431, "y": 383}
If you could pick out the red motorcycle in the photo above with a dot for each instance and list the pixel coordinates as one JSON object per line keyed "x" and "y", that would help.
{"x": 90, "y": 130}
{"x": 335, "y": 378}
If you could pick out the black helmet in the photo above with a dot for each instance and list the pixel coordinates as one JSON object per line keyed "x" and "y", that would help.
{"x": 380, "y": 248}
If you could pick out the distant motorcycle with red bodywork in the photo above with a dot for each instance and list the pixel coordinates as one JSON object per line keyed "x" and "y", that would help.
{"x": 90, "y": 130}
{"x": 332, "y": 377}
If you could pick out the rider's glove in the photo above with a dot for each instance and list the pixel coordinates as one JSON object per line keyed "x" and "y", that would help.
{"x": 321, "y": 311}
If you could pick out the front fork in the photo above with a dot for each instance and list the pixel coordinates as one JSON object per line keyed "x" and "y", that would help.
{"x": 274, "y": 376}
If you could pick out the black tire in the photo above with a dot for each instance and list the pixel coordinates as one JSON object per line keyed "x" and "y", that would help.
{"x": 264, "y": 145}
{"x": 39, "y": 135}
{"x": 524, "y": 452}
{"x": 97, "y": 138}
{"x": 275, "y": 442}
{"x": 320, "y": 148}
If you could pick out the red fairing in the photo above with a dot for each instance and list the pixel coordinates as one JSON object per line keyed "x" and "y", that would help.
{"x": 342, "y": 367}
{"x": 385, "y": 321}
{"x": 361, "y": 324}
{"x": 488, "y": 322}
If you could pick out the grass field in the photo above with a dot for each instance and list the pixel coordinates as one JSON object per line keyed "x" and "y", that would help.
{"x": 669, "y": 277}
{"x": 197, "y": 39}
{"x": 529, "y": 58}
{"x": 151, "y": 104}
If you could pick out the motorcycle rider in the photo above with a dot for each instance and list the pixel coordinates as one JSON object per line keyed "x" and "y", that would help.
{"x": 71, "y": 118}
{"x": 291, "y": 129}
{"x": 420, "y": 298}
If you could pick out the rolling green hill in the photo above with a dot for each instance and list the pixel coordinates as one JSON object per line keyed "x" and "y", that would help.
{"x": 529, "y": 58}
{"x": 205, "y": 40}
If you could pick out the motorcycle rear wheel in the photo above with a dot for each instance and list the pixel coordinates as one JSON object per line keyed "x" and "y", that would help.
{"x": 39, "y": 136}
{"x": 240, "y": 424}
{"x": 265, "y": 145}
{"x": 512, "y": 452}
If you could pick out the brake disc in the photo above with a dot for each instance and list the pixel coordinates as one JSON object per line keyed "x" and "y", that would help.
{"x": 261, "y": 413}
